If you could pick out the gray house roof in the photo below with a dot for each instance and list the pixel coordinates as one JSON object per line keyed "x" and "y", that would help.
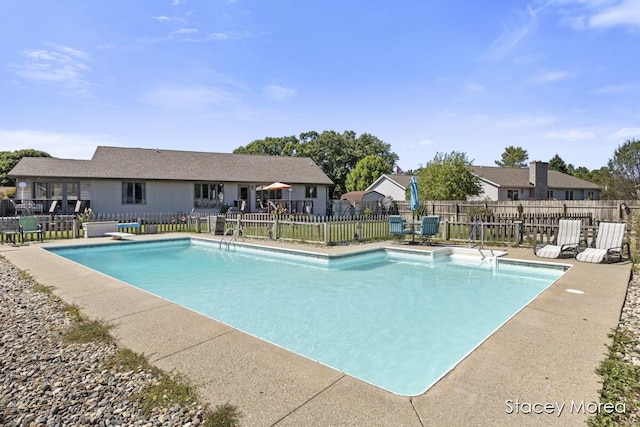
{"x": 173, "y": 165}
{"x": 519, "y": 178}
{"x": 403, "y": 180}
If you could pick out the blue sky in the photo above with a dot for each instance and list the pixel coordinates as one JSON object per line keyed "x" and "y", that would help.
{"x": 426, "y": 76}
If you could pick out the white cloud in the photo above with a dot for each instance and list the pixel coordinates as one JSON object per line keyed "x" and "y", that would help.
{"x": 625, "y": 13}
{"x": 218, "y": 36}
{"x": 475, "y": 87}
{"x": 278, "y": 93}
{"x": 180, "y": 31}
{"x": 614, "y": 89}
{"x": 571, "y": 135}
{"x": 629, "y": 132}
{"x": 419, "y": 144}
{"x": 585, "y": 14}
{"x": 60, "y": 64}
{"x": 62, "y": 145}
{"x": 165, "y": 18}
{"x": 425, "y": 142}
{"x": 549, "y": 77}
{"x": 513, "y": 35}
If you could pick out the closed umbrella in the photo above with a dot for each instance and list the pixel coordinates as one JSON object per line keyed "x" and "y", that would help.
{"x": 415, "y": 201}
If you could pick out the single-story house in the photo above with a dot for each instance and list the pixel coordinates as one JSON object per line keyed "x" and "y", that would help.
{"x": 534, "y": 183}
{"x": 391, "y": 185}
{"x": 138, "y": 180}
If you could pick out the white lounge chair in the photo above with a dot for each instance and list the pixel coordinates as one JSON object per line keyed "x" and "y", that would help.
{"x": 565, "y": 242}
{"x": 608, "y": 244}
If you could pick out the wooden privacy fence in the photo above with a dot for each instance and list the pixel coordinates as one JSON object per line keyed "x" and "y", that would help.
{"x": 600, "y": 210}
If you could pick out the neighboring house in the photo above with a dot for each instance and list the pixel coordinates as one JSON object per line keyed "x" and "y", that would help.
{"x": 137, "y": 180}
{"x": 391, "y": 185}
{"x": 534, "y": 183}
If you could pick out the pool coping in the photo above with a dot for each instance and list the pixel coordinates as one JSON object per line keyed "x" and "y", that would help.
{"x": 545, "y": 354}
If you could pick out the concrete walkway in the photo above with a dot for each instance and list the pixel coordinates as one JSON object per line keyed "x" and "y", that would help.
{"x": 545, "y": 355}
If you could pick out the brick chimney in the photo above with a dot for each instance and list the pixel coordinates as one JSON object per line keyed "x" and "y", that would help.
{"x": 538, "y": 172}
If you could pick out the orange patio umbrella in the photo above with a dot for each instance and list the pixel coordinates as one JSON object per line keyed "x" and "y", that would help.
{"x": 276, "y": 186}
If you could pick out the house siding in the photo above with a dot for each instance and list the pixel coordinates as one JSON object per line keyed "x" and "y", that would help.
{"x": 160, "y": 197}
{"x": 488, "y": 192}
{"x": 389, "y": 188}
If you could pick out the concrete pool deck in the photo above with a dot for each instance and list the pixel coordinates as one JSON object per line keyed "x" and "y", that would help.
{"x": 545, "y": 355}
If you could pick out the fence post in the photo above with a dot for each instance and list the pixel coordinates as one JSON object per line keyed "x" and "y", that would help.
{"x": 326, "y": 235}
{"x": 518, "y": 232}
{"x": 275, "y": 228}
{"x": 75, "y": 226}
{"x": 447, "y": 232}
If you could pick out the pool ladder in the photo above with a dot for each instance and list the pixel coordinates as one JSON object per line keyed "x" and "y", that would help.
{"x": 473, "y": 233}
{"x": 232, "y": 239}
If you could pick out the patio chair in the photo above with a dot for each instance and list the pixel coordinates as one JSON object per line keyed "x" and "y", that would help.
{"x": 9, "y": 232}
{"x": 608, "y": 245}
{"x": 28, "y": 207}
{"x": 397, "y": 226}
{"x": 429, "y": 227}
{"x": 29, "y": 225}
{"x": 565, "y": 242}
{"x": 53, "y": 209}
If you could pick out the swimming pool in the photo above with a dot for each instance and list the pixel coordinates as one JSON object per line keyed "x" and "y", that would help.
{"x": 397, "y": 319}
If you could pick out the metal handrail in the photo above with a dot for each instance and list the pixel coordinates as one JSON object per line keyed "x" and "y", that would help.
{"x": 473, "y": 232}
{"x": 232, "y": 239}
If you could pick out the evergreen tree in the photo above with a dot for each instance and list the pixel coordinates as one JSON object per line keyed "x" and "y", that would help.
{"x": 513, "y": 157}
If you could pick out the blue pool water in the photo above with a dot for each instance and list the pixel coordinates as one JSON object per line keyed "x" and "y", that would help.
{"x": 398, "y": 321}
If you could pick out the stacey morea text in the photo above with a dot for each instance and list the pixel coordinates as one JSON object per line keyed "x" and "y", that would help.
{"x": 559, "y": 408}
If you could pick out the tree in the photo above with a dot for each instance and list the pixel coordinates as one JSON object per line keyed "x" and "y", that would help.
{"x": 557, "y": 164}
{"x": 513, "y": 157}
{"x": 580, "y": 172}
{"x": 336, "y": 154}
{"x": 366, "y": 171}
{"x": 625, "y": 171}
{"x": 9, "y": 159}
{"x": 283, "y": 146}
{"x": 448, "y": 177}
